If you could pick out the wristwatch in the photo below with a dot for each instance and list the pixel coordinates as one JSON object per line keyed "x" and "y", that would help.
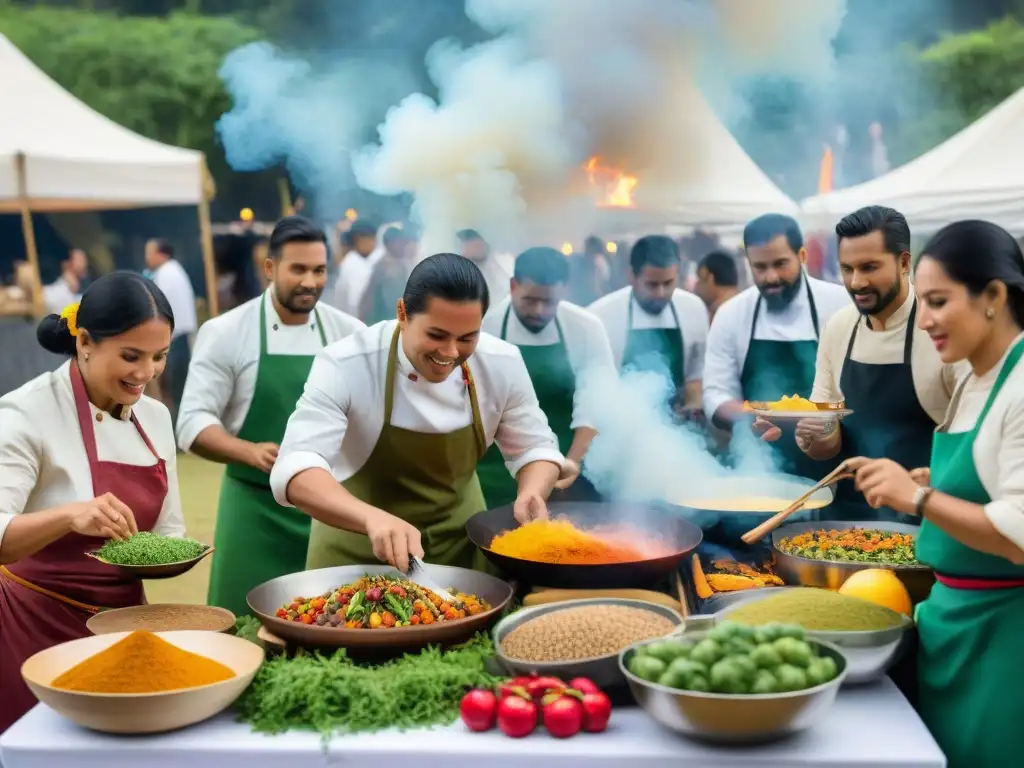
{"x": 921, "y": 496}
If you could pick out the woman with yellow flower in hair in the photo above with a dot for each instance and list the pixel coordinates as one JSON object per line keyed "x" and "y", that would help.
{"x": 84, "y": 457}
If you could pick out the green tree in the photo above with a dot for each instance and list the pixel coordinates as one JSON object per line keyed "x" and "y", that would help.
{"x": 156, "y": 76}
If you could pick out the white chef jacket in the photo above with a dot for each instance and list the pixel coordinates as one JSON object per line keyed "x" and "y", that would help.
{"x": 57, "y": 295}
{"x": 353, "y": 277}
{"x": 999, "y": 445}
{"x": 339, "y": 417}
{"x": 586, "y": 342}
{"x": 497, "y": 279}
{"x": 613, "y": 310}
{"x": 934, "y": 381}
{"x": 174, "y": 281}
{"x": 43, "y": 463}
{"x": 729, "y": 338}
{"x": 222, "y": 375}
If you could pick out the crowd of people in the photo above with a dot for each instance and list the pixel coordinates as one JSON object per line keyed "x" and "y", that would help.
{"x": 450, "y": 387}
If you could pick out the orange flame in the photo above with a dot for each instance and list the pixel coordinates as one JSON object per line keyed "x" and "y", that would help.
{"x": 614, "y": 186}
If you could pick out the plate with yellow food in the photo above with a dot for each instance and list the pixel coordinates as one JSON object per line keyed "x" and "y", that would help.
{"x": 790, "y": 407}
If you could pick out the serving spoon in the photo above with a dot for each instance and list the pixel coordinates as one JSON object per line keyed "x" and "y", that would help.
{"x": 759, "y": 532}
{"x": 418, "y": 575}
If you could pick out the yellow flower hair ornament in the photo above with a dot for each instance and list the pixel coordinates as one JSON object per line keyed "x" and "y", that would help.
{"x": 70, "y": 317}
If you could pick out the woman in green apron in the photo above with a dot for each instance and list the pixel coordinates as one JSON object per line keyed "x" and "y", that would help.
{"x": 970, "y": 281}
{"x": 248, "y": 371}
{"x": 401, "y": 414}
{"x": 536, "y": 313}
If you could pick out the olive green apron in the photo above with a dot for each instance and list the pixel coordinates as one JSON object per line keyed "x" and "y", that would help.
{"x": 554, "y": 381}
{"x": 428, "y": 480}
{"x": 776, "y": 368}
{"x": 256, "y": 539}
{"x": 970, "y": 665}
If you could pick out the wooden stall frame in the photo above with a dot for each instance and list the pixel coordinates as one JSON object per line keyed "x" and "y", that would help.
{"x": 29, "y": 233}
{"x": 207, "y": 192}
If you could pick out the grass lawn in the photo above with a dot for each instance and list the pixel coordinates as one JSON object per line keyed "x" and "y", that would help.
{"x": 199, "y": 481}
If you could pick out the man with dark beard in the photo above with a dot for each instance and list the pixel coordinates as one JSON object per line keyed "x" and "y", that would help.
{"x": 247, "y": 372}
{"x": 562, "y": 344}
{"x": 875, "y": 358}
{"x": 763, "y": 342}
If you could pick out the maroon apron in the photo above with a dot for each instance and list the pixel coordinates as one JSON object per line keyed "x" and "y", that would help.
{"x": 46, "y": 599}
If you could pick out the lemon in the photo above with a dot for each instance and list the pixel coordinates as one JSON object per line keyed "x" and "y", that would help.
{"x": 878, "y": 586}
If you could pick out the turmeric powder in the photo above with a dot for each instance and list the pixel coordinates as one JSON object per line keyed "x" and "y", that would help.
{"x": 562, "y": 543}
{"x": 142, "y": 663}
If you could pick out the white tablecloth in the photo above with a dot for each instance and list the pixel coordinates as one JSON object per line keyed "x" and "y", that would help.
{"x": 868, "y": 727}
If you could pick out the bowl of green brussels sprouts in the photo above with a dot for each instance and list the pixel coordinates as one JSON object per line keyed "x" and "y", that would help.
{"x": 735, "y": 684}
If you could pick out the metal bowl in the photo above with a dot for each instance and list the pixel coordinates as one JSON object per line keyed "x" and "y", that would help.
{"x": 735, "y": 718}
{"x": 918, "y": 579}
{"x": 266, "y": 599}
{"x": 730, "y": 526}
{"x": 869, "y": 654}
{"x": 164, "y": 571}
{"x": 603, "y": 670}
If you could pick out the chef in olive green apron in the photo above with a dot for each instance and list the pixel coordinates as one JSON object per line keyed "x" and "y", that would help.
{"x": 383, "y": 446}
{"x": 653, "y": 325}
{"x": 247, "y": 372}
{"x": 763, "y": 343}
{"x": 970, "y": 282}
{"x": 562, "y": 344}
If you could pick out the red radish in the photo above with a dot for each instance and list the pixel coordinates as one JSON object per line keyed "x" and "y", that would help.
{"x": 563, "y": 715}
{"x": 517, "y": 716}
{"x": 539, "y": 686}
{"x": 584, "y": 685}
{"x": 597, "y": 709}
{"x": 479, "y": 709}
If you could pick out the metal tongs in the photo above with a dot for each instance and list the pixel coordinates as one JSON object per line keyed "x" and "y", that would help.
{"x": 756, "y": 534}
{"x": 418, "y": 575}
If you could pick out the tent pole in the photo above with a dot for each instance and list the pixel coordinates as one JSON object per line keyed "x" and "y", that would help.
{"x": 206, "y": 241}
{"x": 29, "y": 233}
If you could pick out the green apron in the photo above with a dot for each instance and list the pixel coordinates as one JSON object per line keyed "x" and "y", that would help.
{"x": 776, "y": 368}
{"x": 656, "y": 349}
{"x": 555, "y": 384}
{"x": 969, "y": 660}
{"x": 257, "y": 539}
{"x": 428, "y": 480}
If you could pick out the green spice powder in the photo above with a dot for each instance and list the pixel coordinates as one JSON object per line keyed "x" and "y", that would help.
{"x": 145, "y": 548}
{"x": 816, "y": 609}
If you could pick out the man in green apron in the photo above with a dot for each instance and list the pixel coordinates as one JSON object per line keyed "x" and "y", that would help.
{"x": 247, "y": 373}
{"x": 400, "y": 414}
{"x": 561, "y": 344}
{"x": 763, "y": 343}
{"x": 653, "y": 325}
{"x": 389, "y": 275}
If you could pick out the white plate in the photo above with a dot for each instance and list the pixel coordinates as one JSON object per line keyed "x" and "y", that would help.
{"x": 797, "y": 415}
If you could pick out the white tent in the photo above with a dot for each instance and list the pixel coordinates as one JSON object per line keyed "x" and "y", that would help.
{"x": 75, "y": 158}
{"x": 977, "y": 174}
{"x": 720, "y": 189}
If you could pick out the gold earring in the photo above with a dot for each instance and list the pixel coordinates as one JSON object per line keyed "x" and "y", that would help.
{"x": 990, "y": 313}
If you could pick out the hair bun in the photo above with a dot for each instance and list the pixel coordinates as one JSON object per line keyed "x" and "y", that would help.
{"x": 53, "y": 335}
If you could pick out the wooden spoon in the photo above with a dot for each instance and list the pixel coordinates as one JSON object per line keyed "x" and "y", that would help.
{"x": 773, "y": 522}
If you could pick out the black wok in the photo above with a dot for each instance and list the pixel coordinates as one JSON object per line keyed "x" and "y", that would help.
{"x": 660, "y": 524}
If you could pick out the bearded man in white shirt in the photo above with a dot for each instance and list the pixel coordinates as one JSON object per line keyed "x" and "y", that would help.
{"x": 247, "y": 373}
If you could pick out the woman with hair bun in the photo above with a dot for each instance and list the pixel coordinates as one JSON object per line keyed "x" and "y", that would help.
{"x": 970, "y": 284}
{"x": 84, "y": 457}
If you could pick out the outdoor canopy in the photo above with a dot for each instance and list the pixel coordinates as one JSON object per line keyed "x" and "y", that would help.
{"x": 59, "y": 155}
{"x": 976, "y": 174}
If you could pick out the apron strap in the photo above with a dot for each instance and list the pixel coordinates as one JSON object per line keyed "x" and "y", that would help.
{"x": 320, "y": 327}
{"x": 814, "y": 308}
{"x": 558, "y": 326}
{"x": 48, "y": 593}
{"x": 467, "y": 377}
{"x": 263, "y": 325}
{"x": 908, "y": 341}
{"x": 1011, "y": 361}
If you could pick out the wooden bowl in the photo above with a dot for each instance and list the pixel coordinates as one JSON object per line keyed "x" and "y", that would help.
{"x": 143, "y": 712}
{"x": 162, "y": 617}
{"x": 164, "y": 571}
